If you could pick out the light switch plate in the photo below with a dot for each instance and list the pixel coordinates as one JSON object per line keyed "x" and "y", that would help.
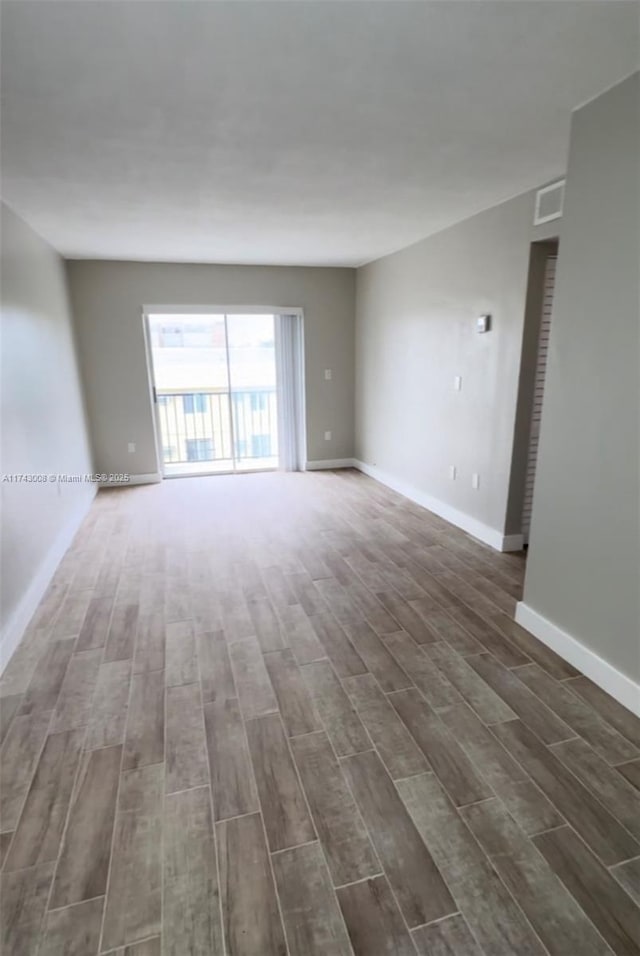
{"x": 328, "y": 374}
{"x": 475, "y": 480}
{"x": 457, "y": 383}
{"x": 131, "y": 447}
{"x": 327, "y": 436}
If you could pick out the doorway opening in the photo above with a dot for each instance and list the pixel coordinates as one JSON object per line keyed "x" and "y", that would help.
{"x": 533, "y": 367}
{"x": 227, "y": 390}
{"x": 544, "y": 331}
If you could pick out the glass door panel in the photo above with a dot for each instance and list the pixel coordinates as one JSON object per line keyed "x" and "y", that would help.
{"x": 191, "y": 378}
{"x": 252, "y": 378}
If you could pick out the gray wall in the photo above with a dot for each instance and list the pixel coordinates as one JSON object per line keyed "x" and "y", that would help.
{"x": 43, "y": 421}
{"x": 415, "y": 331}
{"x": 107, "y": 299}
{"x": 583, "y": 569}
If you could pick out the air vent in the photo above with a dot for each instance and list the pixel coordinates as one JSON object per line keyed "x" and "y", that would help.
{"x": 549, "y": 202}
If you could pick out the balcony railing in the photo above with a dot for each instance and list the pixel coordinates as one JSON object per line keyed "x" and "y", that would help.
{"x": 217, "y": 426}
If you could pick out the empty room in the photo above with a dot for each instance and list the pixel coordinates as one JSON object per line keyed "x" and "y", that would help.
{"x": 320, "y": 478}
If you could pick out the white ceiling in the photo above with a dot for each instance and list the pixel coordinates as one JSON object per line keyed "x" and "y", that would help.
{"x": 289, "y": 133}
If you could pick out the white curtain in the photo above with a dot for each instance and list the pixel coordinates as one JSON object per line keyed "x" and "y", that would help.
{"x": 290, "y": 374}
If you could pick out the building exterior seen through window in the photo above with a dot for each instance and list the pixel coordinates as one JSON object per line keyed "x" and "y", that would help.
{"x": 215, "y": 379}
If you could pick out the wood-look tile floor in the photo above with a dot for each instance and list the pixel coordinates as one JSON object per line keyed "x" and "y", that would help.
{"x": 292, "y": 714}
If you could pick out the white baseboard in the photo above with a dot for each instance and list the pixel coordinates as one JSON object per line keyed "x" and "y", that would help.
{"x": 329, "y": 463}
{"x": 151, "y": 479}
{"x": 472, "y": 526}
{"x": 605, "y": 675}
{"x": 28, "y": 604}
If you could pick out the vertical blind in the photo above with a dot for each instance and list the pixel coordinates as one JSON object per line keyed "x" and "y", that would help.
{"x": 290, "y": 377}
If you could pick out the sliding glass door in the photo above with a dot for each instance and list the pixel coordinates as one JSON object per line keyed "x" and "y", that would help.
{"x": 215, "y": 391}
{"x": 251, "y": 350}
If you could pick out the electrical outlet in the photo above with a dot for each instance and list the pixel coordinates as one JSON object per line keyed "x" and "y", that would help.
{"x": 475, "y": 480}
{"x": 131, "y": 447}
{"x": 328, "y": 374}
{"x": 452, "y": 472}
{"x": 327, "y": 436}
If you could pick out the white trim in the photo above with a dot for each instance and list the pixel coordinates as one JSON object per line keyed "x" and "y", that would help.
{"x": 15, "y": 627}
{"x": 151, "y": 479}
{"x": 605, "y": 675}
{"x": 329, "y": 463}
{"x": 472, "y": 526}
